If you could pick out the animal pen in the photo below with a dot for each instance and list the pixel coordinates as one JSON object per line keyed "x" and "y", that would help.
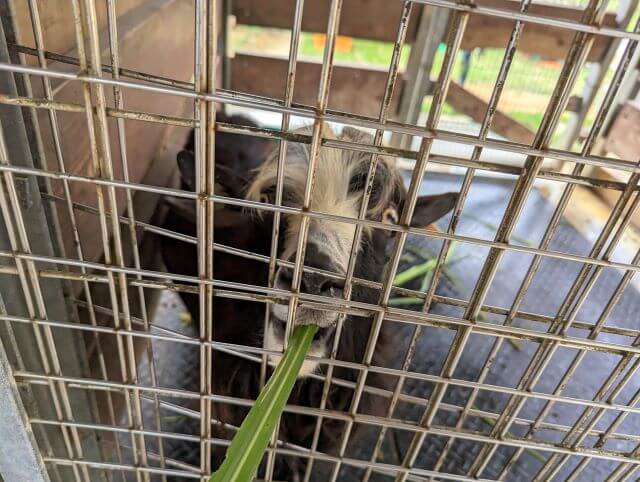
{"x": 520, "y": 336}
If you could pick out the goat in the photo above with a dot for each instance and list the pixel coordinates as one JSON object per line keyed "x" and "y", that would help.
{"x": 246, "y": 168}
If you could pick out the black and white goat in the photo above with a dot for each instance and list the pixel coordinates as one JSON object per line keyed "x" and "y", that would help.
{"x": 247, "y": 167}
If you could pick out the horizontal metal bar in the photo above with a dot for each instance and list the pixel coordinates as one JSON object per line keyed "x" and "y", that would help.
{"x": 358, "y": 418}
{"x": 546, "y": 174}
{"x": 111, "y": 112}
{"x": 529, "y": 17}
{"x": 312, "y": 214}
{"x": 333, "y": 304}
{"x": 299, "y": 451}
{"x": 374, "y": 391}
{"x": 243, "y": 352}
{"x": 356, "y": 366}
{"x": 378, "y": 467}
{"x": 279, "y": 262}
{"x": 234, "y": 98}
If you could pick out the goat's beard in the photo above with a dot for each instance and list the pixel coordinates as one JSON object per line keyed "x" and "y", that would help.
{"x": 320, "y": 346}
{"x": 305, "y": 316}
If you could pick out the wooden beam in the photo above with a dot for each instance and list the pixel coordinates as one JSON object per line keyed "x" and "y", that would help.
{"x": 356, "y": 20}
{"x": 362, "y": 19}
{"x": 352, "y": 90}
{"x": 144, "y": 46}
{"x": 56, "y": 17}
{"x": 624, "y": 136}
{"x": 469, "y": 104}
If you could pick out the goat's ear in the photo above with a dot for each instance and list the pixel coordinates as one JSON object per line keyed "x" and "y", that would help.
{"x": 431, "y": 208}
{"x": 187, "y": 166}
{"x": 184, "y": 208}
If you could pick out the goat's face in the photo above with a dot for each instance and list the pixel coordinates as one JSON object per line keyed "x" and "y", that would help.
{"x": 338, "y": 189}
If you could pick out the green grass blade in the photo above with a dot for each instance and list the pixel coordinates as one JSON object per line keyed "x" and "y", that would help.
{"x": 405, "y": 301}
{"x": 247, "y": 447}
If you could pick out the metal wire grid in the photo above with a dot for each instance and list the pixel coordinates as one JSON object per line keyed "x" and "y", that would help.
{"x": 118, "y": 277}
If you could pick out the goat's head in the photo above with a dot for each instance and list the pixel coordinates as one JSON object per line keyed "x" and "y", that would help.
{"x": 339, "y": 185}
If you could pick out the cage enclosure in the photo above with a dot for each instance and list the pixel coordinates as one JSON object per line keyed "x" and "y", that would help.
{"x": 448, "y": 189}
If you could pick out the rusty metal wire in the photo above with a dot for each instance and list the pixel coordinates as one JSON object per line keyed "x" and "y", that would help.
{"x": 510, "y": 429}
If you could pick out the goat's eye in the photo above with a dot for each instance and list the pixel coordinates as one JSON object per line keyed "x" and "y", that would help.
{"x": 390, "y": 215}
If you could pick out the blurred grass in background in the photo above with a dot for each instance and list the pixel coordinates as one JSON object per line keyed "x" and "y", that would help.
{"x": 525, "y": 96}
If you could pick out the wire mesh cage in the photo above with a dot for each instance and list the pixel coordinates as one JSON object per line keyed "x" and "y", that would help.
{"x": 515, "y": 333}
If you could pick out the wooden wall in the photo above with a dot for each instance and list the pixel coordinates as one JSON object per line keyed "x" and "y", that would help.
{"x": 624, "y": 135}
{"x": 353, "y": 89}
{"x": 156, "y": 37}
{"x": 482, "y": 31}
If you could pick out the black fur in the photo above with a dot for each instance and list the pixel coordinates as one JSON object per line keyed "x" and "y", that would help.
{"x": 241, "y": 322}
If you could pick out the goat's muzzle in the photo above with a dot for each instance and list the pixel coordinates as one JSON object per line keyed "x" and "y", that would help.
{"x": 320, "y": 277}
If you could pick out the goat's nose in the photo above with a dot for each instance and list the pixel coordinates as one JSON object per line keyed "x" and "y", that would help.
{"x": 312, "y": 282}
{"x": 318, "y": 284}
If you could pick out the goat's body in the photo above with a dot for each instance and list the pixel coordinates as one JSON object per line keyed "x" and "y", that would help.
{"x": 242, "y": 323}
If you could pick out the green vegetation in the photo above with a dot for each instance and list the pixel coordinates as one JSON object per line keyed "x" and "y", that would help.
{"x": 247, "y": 447}
{"x": 526, "y": 93}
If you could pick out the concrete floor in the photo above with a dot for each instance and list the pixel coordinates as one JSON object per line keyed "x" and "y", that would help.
{"x": 482, "y": 212}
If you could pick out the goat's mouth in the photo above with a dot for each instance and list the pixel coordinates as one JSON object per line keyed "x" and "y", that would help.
{"x": 321, "y": 336}
{"x": 305, "y": 316}
{"x": 320, "y": 346}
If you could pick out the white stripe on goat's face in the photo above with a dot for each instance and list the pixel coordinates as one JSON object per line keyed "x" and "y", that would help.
{"x": 338, "y": 189}
{"x": 333, "y": 192}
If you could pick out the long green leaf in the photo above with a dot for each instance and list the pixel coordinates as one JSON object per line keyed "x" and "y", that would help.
{"x": 247, "y": 447}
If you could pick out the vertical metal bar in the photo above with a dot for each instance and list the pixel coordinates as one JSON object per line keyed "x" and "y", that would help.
{"x": 322, "y": 101}
{"x": 55, "y": 132}
{"x": 492, "y": 106}
{"x": 432, "y": 29}
{"x": 16, "y": 231}
{"x": 133, "y": 237}
{"x": 457, "y": 28}
{"x": 205, "y": 78}
{"x": 618, "y": 420}
{"x": 486, "y": 452}
{"x": 314, "y": 152}
{"x": 576, "y": 57}
{"x": 596, "y": 78}
{"x": 294, "y": 44}
{"x": 20, "y": 365}
{"x": 456, "y": 31}
{"x": 603, "y": 112}
{"x": 392, "y": 77}
{"x": 225, "y": 39}
{"x": 102, "y": 168}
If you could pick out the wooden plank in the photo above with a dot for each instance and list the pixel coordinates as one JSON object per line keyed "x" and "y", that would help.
{"x": 624, "y": 135}
{"x": 56, "y": 17}
{"x": 548, "y": 42}
{"x": 146, "y": 47}
{"x": 362, "y": 19}
{"x": 352, "y": 90}
{"x": 469, "y": 104}
{"x": 162, "y": 173}
{"x": 622, "y": 140}
{"x": 356, "y": 20}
